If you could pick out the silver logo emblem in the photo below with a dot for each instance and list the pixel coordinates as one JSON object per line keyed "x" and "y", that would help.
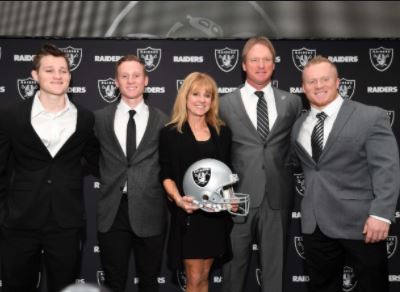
{"x": 391, "y": 117}
{"x": 179, "y": 83}
{"x": 381, "y": 58}
{"x": 347, "y": 88}
{"x": 301, "y": 57}
{"x": 202, "y": 176}
{"x": 108, "y": 90}
{"x": 226, "y": 58}
{"x": 151, "y": 58}
{"x": 391, "y": 245}
{"x": 299, "y": 245}
{"x": 181, "y": 277}
{"x": 27, "y": 88}
{"x": 299, "y": 183}
{"x": 349, "y": 281}
{"x": 74, "y": 56}
{"x": 101, "y": 278}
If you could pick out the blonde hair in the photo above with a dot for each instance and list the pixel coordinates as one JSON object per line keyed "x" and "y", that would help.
{"x": 318, "y": 60}
{"x": 193, "y": 81}
{"x": 262, "y": 40}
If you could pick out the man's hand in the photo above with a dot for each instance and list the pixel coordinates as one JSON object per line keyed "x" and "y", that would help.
{"x": 375, "y": 230}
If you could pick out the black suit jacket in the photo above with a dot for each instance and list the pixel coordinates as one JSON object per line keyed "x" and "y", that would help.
{"x": 35, "y": 186}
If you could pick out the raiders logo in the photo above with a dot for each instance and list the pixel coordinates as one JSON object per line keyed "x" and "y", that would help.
{"x": 299, "y": 183}
{"x": 298, "y": 244}
{"x": 179, "y": 83}
{"x": 391, "y": 117}
{"x": 181, "y": 278}
{"x": 101, "y": 278}
{"x": 301, "y": 57}
{"x": 275, "y": 83}
{"x": 74, "y": 56}
{"x": 349, "y": 281}
{"x": 201, "y": 176}
{"x": 108, "y": 90}
{"x": 258, "y": 276}
{"x": 151, "y": 58}
{"x": 226, "y": 58}
{"x": 381, "y": 58}
{"x": 27, "y": 88}
{"x": 347, "y": 88}
{"x": 391, "y": 245}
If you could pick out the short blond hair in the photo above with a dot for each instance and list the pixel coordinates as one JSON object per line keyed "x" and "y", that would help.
{"x": 318, "y": 60}
{"x": 262, "y": 40}
{"x": 193, "y": 81}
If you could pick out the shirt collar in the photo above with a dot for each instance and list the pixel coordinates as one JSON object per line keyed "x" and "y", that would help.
{"x": 331, "y": 109}
{"x": 250, "y": 89}
{"x": 139, "y": 108}
{"x": 38, "y": 108}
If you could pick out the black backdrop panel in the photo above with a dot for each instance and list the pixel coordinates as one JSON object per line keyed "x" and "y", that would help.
{"x": 368, "y": 69}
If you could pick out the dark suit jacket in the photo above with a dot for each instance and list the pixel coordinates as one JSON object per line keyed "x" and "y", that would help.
{"x": 357, "y": 174}
{"x": 38, "y": 183}
{"x": 262, "y": 166}
{"x": 146, "y": 198}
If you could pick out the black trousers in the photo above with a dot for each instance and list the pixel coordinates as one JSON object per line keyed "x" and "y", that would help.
{"x": 325, "y": 259}
{"x": 21, "y": 257}
{"x": 115, "y": 250}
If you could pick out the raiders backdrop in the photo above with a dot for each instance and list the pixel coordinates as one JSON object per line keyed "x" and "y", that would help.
{"x": 369, "y": 72}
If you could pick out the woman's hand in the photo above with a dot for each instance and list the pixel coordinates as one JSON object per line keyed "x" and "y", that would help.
{"x": 186, "y": 203}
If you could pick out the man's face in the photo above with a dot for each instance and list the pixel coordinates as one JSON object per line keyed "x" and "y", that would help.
{"x": 320, "y": 84}
{"x": 131, "y": 80}
{"x": 259, "y": 66}
{"x": 53, "y": 75}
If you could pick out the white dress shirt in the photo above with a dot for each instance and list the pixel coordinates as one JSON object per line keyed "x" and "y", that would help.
{"x": 250, "y": 103}
{"x": 121, "y": 122}
{"x": 54, "y": 129}
{"x": 331, "y": 110}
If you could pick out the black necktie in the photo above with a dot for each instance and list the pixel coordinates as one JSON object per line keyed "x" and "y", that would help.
{"x": 317, "y": 136}
{"x": 262, "y": 116}
{"x": 131, "y": 135}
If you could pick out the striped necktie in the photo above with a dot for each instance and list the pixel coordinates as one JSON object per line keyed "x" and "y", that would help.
{"x": 262, "y": 116}
{"x": 317, "y": 136}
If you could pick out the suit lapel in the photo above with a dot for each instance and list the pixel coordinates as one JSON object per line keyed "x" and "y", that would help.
{"x": 342, "y": 118}
{"x": 296, "y": 130}
{"x": 151, "y": 125}
{"x": 109, "y": 118}
{"x": 280, "y": 110}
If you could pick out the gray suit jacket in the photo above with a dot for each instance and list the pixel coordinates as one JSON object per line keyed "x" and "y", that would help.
{"x": 357, "y": 174}
{"x": 262, "y": 167}
{"x": 146, "y": 198}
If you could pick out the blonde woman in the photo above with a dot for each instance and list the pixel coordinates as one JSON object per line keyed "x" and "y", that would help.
{"x": 197, "y": 239}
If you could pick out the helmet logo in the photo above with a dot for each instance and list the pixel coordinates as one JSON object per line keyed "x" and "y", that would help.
{"x": 201, "y": 176}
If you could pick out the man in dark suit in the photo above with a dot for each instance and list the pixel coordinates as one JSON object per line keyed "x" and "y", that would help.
{"x": 131, "y": 211}
{"x": 42, "y": 143}
{"x": 261, "y": 118}
{"x": 350, "y": 161}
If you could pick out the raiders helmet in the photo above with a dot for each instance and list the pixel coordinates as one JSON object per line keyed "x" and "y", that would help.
{"x": 209, "y": 182}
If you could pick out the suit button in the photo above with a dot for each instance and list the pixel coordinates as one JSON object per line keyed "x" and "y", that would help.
{"x": 49, "y": 181}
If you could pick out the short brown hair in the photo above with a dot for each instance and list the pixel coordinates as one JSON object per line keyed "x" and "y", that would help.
{"x": 258, "y": 40}
{"x": 130, "y": 57}
{"x": 48, "y": 50}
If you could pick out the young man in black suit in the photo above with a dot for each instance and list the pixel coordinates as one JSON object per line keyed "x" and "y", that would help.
{"x": 42, "y": 143}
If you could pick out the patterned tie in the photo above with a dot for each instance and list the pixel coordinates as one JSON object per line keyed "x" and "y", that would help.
{"x": 131, "y": 135}
{"x": 262, "y": 116}
{"x": 317, "y": 136}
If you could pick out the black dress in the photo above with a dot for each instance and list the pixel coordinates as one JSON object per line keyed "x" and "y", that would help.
{"x": 199, "y": 235}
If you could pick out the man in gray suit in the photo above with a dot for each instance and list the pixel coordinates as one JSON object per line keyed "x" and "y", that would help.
{"x": 350, "y": 162}
{"x": 131, "y": 209}
{"x": 261, "y": 118}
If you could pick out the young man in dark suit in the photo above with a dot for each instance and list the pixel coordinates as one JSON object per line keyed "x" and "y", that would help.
{"x": 131, "y": 213}
{"x": 42, "y": 143}
{"x": 350, "y": 161}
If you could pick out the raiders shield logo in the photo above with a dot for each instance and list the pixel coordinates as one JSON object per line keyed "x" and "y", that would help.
{"x": 151, "y": 58}
{"x": 275, "y": 83}
{"x": 27, "y": 87}
{"x": 202, "y": 176}
{"x": 391, "y": 245}
{"x": 298, "y": 244}
{"x": 349, "y": 281}
{"x": 74, "y": 56}
{"x": 391, "y": 117}
{"x": 181, "y": 278}
{"x": 299, "y": 183}
{"x": 258, "y": 276}
{"x": 101, "y": 278}
{"x": 347, "y": 88}
{"x": 226, "y": 58}
{"x": 108, "y": 90}
{"x": 381, "y": 58}
{"x": 179, "y": 83}
{"x": 302, "y": 56}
